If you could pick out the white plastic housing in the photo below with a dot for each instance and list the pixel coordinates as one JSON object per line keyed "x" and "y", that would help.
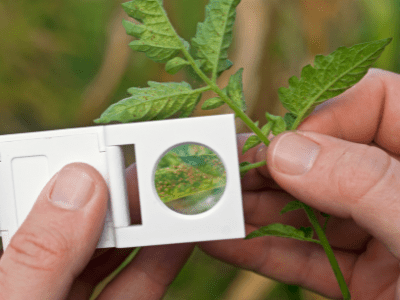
{"x": 29, "y": 160}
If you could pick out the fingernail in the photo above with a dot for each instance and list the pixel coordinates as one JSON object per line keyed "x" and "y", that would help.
{"x": 73, "y": 188}
{"x": 294, "y": 154}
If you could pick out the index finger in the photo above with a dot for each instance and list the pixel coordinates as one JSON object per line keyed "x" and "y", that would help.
{"x": 367, "y": 112}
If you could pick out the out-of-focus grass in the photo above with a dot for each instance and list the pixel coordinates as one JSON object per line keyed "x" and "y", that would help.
{"x": 53, "y": 52}
{"x": 203, "y": 278}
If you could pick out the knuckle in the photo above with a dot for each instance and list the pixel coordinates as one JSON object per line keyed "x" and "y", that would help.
{"x": 44, "y": 250}
{"x": 358, "y": 170}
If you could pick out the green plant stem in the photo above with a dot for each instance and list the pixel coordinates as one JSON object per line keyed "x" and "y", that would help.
{"x": 329, "y": 252}
{"x": 100, "y": 286}
{"x": 321, "y": 231}
{"x": 203, "y": 89}
{"x": 253, "y": 166}
{"x": 239, "y": 113}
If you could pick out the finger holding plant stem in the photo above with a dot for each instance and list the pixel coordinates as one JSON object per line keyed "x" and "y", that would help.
{"x": 320, "y": 232}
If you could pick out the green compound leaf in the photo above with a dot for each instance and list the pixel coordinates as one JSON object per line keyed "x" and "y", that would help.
{"x": 282, "y": 230}
{"x": 293, "y": 205}
{"x": 158, "y": 101}
{"x": 214, "y": 36}
{"x": 182, "y": 176}
{"x": 157, "y": 37}
{"x": 176, "y": 64}
{"x": 331, "y": 75}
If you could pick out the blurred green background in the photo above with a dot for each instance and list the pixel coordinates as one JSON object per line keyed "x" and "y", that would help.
{"x": 63, "y": 62}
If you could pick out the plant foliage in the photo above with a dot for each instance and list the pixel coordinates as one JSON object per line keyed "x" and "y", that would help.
{"x": 282, "y": 230}
{"x": 187, "y": 170}
{"x": 331, "y": 75}
{"x": 180, "y": 175}
{"x": 156, "y": 36}
{"x": 214, "y": 36}
{"x": 156, "y": 102}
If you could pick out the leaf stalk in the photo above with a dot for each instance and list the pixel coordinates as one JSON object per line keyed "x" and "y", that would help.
{"x": 329, "y": 252}
{"x": 253, "y": 166}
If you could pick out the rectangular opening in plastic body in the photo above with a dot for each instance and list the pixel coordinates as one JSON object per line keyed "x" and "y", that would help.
{"x": 132, "y": 185}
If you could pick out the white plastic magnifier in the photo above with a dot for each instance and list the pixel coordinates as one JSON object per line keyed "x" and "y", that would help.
{"x": 29, "y": 160}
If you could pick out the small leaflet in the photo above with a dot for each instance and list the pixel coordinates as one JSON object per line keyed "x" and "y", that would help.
{"x": 156, "y": 37}
{"x": 214, "y": 36}
{"x": 235, "y": 90}
{"x": 251, "y": 142}
{"x": 212, "y": 103}
{"x": 278, "y": 124}
{"x": 291, "y": 206}
{"x": 135, "y": 30}
{"x": 176, "y": 64}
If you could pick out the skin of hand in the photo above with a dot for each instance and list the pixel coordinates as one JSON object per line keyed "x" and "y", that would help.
{"x": 354, "y": 176}
{"x": 52, "y": 255}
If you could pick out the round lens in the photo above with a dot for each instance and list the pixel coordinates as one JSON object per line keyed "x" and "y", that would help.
{"x": 190, "y": 179}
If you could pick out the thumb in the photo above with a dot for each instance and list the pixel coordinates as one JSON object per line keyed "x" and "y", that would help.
{"x": 58, "y": 237}
{"x": 342, "y": 178}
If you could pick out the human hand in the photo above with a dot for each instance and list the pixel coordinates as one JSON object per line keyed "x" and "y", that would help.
{"x": 52, "y": 255}
{"x": 344, "y": 161}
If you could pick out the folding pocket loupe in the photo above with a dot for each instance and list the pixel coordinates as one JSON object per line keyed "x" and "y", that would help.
{"x": 187, "y": 173}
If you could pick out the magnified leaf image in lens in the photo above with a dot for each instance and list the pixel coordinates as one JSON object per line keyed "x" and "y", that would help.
{"x": 190, "y": 179}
